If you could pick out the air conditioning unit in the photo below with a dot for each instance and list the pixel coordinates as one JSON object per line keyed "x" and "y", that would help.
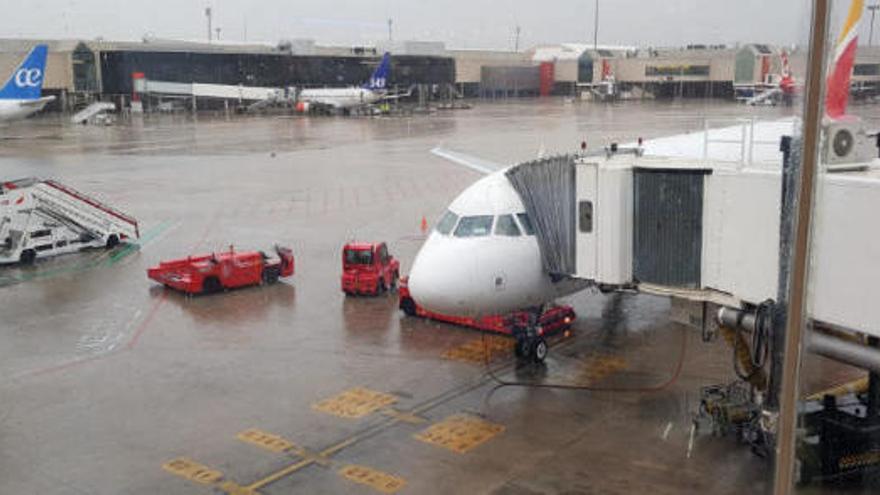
{"x": 847, "y": 146}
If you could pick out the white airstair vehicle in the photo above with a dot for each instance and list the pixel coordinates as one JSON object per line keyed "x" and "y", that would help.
{"x": 43, "y": 218}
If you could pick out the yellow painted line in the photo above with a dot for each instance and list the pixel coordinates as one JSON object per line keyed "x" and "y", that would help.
{"x": 354, "y": 403}
{"x": 233, "y": 488}
{"x": 266, "y": 440}
{"x": 402, "y": 416}
{"x": 460, "y": 433}
{"x": 383, "y": 482}
{"x": 277, "y": 475}
{"x": 474, "y": 351}
{"x": 193, "y": 471}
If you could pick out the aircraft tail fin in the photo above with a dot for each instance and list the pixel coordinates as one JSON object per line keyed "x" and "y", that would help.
{"x": 837, "y": 86}
{"x": 26, "y": 81}
{"x": 379, "y": 79}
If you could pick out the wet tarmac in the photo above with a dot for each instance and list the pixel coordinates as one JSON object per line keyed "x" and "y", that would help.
{"x": 110, "y": 384}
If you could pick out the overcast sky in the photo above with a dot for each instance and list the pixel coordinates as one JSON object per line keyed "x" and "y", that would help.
{"x": 459, "y": 23}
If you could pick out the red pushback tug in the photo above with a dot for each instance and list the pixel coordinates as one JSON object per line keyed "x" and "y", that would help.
{"x": 368, "y": 268}
{"x": 555, "y": 319}
{"x": 231, "y": 269}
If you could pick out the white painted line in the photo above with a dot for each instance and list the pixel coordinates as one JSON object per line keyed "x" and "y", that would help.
{"x": 691, "y": 440}
{"x": 666, "y": 431}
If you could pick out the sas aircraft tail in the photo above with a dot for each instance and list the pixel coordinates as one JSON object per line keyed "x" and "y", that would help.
{"x": 26, "y": 81}
{"x": 379, "y": 79}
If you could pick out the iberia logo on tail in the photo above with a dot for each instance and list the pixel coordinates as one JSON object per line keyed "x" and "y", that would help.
{"x": 837, "y": 86}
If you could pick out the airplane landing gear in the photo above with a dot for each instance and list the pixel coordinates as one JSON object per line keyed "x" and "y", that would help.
{"x": 530, "y": 344}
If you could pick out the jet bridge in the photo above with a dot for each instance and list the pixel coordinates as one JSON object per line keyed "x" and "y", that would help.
{"x": 706, "y": 229}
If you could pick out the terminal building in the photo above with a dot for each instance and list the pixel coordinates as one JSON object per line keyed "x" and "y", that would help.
{"x": 83, "y": 71}
{"x": 78, "y": 72}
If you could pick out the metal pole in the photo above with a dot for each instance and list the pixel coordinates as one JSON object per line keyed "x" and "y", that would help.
{"x": 596, "y": 27}
{"x": 516, "y": 43}
{"x": 873, "y": 9}
{"x": 390, "y": 23}
{"x": 796, "y": 318}
{"x": 208, "y": 16}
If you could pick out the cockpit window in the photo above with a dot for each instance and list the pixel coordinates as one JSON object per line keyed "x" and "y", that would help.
{"x": 475, "y": 226}
{"x": 506, "y": 226}
{"x": 446, "y": 223}
{"x": 526, "y": 223}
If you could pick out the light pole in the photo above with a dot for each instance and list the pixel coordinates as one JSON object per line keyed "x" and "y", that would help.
{"x": 516, "y": 40}
{"x": 873, "y": 9}
{"x": 596, "y": 26}
{"x": 208, "y": 16}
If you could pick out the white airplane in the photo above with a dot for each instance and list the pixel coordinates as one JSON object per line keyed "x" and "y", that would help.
{"x": 21, "y": 94}
{"x": 372, "y": 91}
{"x": 483, "y": 257}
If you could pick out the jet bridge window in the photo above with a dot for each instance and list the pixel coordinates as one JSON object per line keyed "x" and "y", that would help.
{"x": 447, "y": 223}
{"x": 585, "y": 216}
{"x": 506, "y": 226}
{"x": 526, "y": 223}
{"x": 476, "y": 226}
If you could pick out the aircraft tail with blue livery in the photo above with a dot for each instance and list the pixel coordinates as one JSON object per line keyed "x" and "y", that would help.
{"x": 21, "y": 94}
{"x": 379, "y": 80}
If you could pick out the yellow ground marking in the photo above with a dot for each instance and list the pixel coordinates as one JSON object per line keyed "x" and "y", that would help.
{"x": 233, "y": 488}
{"x": 354, "y": 403}
{"x": 460, "y": 433}
{"x": 277, "y": 475}
{"x": 266, "y": 440}
{"x": 280, "y": 445}
{"x": 402, "y": 416}
{"x": 378, "y": 480}
{"x": 598, "y": 367}
{"x": 193, "y": 471}
{"x": 474, "y": 351}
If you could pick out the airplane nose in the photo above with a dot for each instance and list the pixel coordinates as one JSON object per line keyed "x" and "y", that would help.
{"x": 440, "y": 279}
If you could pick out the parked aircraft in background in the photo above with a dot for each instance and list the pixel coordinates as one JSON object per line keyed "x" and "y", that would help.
{"x": 373, "y": 91}
{"x": 21, "y": 94}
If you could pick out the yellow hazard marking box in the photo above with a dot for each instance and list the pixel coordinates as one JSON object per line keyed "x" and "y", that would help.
{"x": 477, "y": 350}
{"x": 193, "y": 471}
{"x": 354, "y": 403}
{"x": 597, "y": 367}
{"x": 460, "y": 433}
{"x": 266, "y": 440}
{"x": 378, "y": 480}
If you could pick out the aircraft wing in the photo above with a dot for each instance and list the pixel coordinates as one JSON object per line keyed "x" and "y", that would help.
{"x": 477, "y": 164}
{"x": 40, "y": 102}
{"x": 396, "y": 96}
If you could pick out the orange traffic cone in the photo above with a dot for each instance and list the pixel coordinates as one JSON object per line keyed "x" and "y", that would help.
{"x": 424, "y": 225}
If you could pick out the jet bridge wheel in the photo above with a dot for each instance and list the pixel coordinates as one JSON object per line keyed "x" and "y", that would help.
{"x": 112, "y": 241}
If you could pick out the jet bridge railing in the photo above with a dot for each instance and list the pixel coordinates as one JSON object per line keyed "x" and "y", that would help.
{"x": 741, "y": 135}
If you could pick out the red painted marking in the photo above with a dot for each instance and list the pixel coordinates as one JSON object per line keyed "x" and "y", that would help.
{"x": 139, "y": 331}
{"x": 145, "y": 322}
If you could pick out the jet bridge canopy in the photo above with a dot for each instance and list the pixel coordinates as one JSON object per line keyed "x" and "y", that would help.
{"x": 547, "y": 189}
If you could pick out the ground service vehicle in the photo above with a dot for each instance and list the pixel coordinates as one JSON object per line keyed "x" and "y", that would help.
{"x": 553, "y": 320}
{"x": 231, "y": 269}
{"x": 42, "y": 218}
{"x": 368, "y": 268}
